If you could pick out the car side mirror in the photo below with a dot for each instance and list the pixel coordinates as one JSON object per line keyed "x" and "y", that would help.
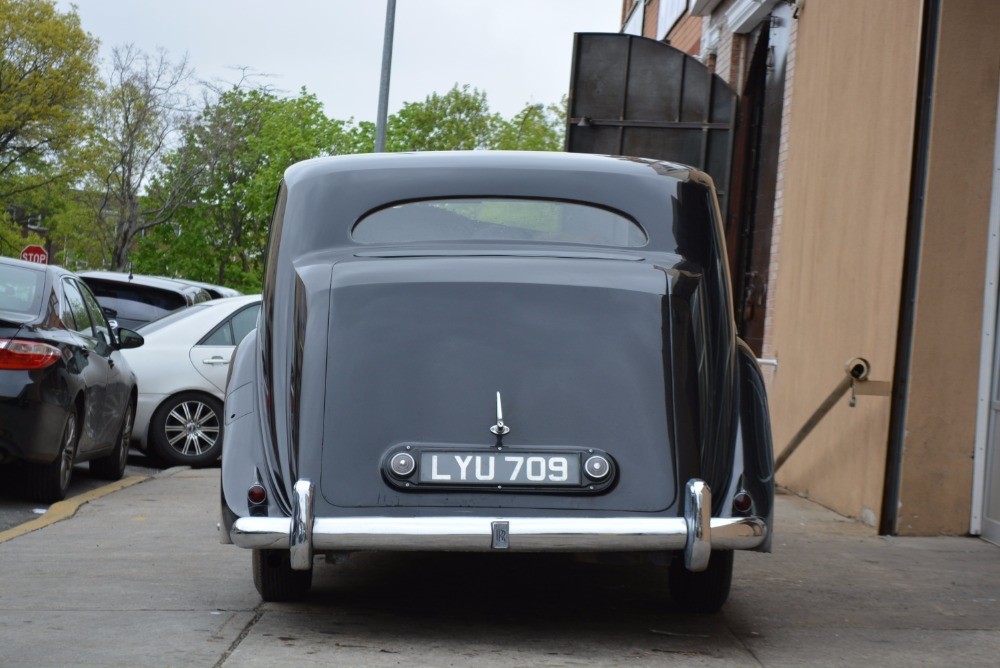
{"x": 129, "y": 339}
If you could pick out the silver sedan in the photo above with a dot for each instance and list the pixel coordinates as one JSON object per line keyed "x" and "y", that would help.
{"x": 181, "y": 372}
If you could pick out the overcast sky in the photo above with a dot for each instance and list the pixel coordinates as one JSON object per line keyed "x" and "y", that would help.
{"x": 517, "y": 51}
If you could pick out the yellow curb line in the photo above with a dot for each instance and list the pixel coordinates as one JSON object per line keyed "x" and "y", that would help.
{"x": 63, "y": 510}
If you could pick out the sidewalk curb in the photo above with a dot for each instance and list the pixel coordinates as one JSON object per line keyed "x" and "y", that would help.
{"x": 63, "y": 510}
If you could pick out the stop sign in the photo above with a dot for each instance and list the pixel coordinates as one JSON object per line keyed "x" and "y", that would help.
{"x": 35, "y": 253}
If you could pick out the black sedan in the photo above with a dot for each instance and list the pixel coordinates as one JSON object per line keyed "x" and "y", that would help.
{"x": 496, "y": 352}
{"x": 66, "y": 392}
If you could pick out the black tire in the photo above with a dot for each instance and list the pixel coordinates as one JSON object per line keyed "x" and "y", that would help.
{"x": 274, "y": 578}
{"x": 186, "y": 430}
{"x": 706, "y": 591}
{"x": 112, "y": 467}
{"x": 49, "y": 483}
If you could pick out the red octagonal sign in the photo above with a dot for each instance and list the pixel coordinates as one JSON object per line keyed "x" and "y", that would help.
{"x": 35, "y": 253}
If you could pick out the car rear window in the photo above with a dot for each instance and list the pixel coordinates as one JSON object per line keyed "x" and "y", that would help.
{"x": 498, "y": 219}
{"x": 21, "y": 289}
{"x": 135, "y": 304}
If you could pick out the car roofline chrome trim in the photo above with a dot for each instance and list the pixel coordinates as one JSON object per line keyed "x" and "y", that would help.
{"x": 697, "y": 533}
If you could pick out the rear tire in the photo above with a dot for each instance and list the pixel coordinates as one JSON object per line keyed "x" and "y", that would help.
{"x": 186, "y": 430}
{"x": 274, "y": 578}
{"x": 112, "y": 467}
{"x": 49, "y": 483}
{"x": 706, "y": 591}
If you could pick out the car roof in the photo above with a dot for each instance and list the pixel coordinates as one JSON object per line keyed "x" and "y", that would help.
{"x": 52, "y": 272}
{"x": 136, "y": 279}
{"x": 187, "y": 319}
{"x": 527, "y": 161}
{"x": 144, "y": 281}
{"x": 236, "y": 301}
{"x": 324, "y": 198}
{"x": 217, "y": 291}
{"x": 52, "y": 268}
{"x": 22, "y": 263}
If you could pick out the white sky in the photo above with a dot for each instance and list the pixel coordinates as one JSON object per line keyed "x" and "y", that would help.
{"x": 517, "y": 51}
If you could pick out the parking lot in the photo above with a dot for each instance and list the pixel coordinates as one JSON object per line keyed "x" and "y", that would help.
{"x": 137, "y": 577}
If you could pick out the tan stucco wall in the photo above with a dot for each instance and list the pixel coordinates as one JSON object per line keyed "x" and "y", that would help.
{"x": 936, "y": 486}
{"x": 840, "y": 254}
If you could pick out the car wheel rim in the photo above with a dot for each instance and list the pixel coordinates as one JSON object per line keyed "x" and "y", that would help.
{"x": 125, "y": 438}
{"x": 192, "y": 428}
{"x": 66, "y": 458}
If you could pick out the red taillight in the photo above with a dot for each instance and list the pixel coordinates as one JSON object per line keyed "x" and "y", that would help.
{"x": 256, "y": 494}
{"x": 742, "y": 502}
{"x": 27, "y": 355}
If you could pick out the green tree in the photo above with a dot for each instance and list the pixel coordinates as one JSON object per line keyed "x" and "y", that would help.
{"x": 535, "y": 128}
{"x": 140, "y": 114}
{"x": 12, "y": 242}
{"x": 248, "y": 136}
{"x": 246, "y": 139}
{"x": 461, "y": 120}
{"x": 458, "y": 120}
{"x": 47, "y": 73}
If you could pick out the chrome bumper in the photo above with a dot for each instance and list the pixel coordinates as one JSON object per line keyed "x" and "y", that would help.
{"x": 697, "y": 533}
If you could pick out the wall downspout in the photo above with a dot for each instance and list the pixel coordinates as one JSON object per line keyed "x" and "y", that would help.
{"x": 911, "y": 268}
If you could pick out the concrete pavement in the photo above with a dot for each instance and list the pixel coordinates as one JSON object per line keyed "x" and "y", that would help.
{"x": 138, "y": 578}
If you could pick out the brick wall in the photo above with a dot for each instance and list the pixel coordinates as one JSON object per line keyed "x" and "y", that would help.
{"x": 731, "y": 63}
{"x": 686, "y": 35}
{"x": 649, "y": 19}
{"x": 626, "y": 7}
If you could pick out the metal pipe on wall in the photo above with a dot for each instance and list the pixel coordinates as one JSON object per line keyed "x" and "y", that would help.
{"x": 911, "y": 266}
{"x": 857, "y": 371}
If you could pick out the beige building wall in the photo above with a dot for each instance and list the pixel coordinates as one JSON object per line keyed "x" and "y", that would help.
{"x": 844, "y": 207}
{"x": 936, "y": 484}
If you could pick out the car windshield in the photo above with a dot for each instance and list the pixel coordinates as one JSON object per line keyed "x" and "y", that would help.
{"x": 21, "y": 289}
{"x": 171, "y": 318}
{"x": 498, "y": 219}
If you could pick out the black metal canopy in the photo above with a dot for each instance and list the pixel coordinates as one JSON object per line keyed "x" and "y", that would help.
{"x": 638, "y": 97}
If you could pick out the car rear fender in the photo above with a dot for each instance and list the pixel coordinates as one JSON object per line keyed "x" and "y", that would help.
{"x": 753, "y": 460}
{"x": 244, "y": 457}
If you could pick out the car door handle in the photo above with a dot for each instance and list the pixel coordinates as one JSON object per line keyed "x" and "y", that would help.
{"x": 215, "y": 360}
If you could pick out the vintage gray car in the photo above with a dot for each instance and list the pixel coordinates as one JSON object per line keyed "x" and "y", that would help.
{"x": 492, "y": 351}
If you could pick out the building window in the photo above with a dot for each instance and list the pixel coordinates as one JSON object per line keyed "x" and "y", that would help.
{"x": 633, "y": 24}
{"x": 670, "y": 12}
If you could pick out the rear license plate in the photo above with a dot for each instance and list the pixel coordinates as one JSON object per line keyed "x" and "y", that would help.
{"x": 500, "y": 469}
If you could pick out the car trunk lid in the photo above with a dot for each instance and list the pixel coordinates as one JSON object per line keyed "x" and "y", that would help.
{"x": 577, "y": 347}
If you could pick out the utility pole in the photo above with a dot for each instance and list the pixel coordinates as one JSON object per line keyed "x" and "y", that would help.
{"x": 383, "y": 92}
